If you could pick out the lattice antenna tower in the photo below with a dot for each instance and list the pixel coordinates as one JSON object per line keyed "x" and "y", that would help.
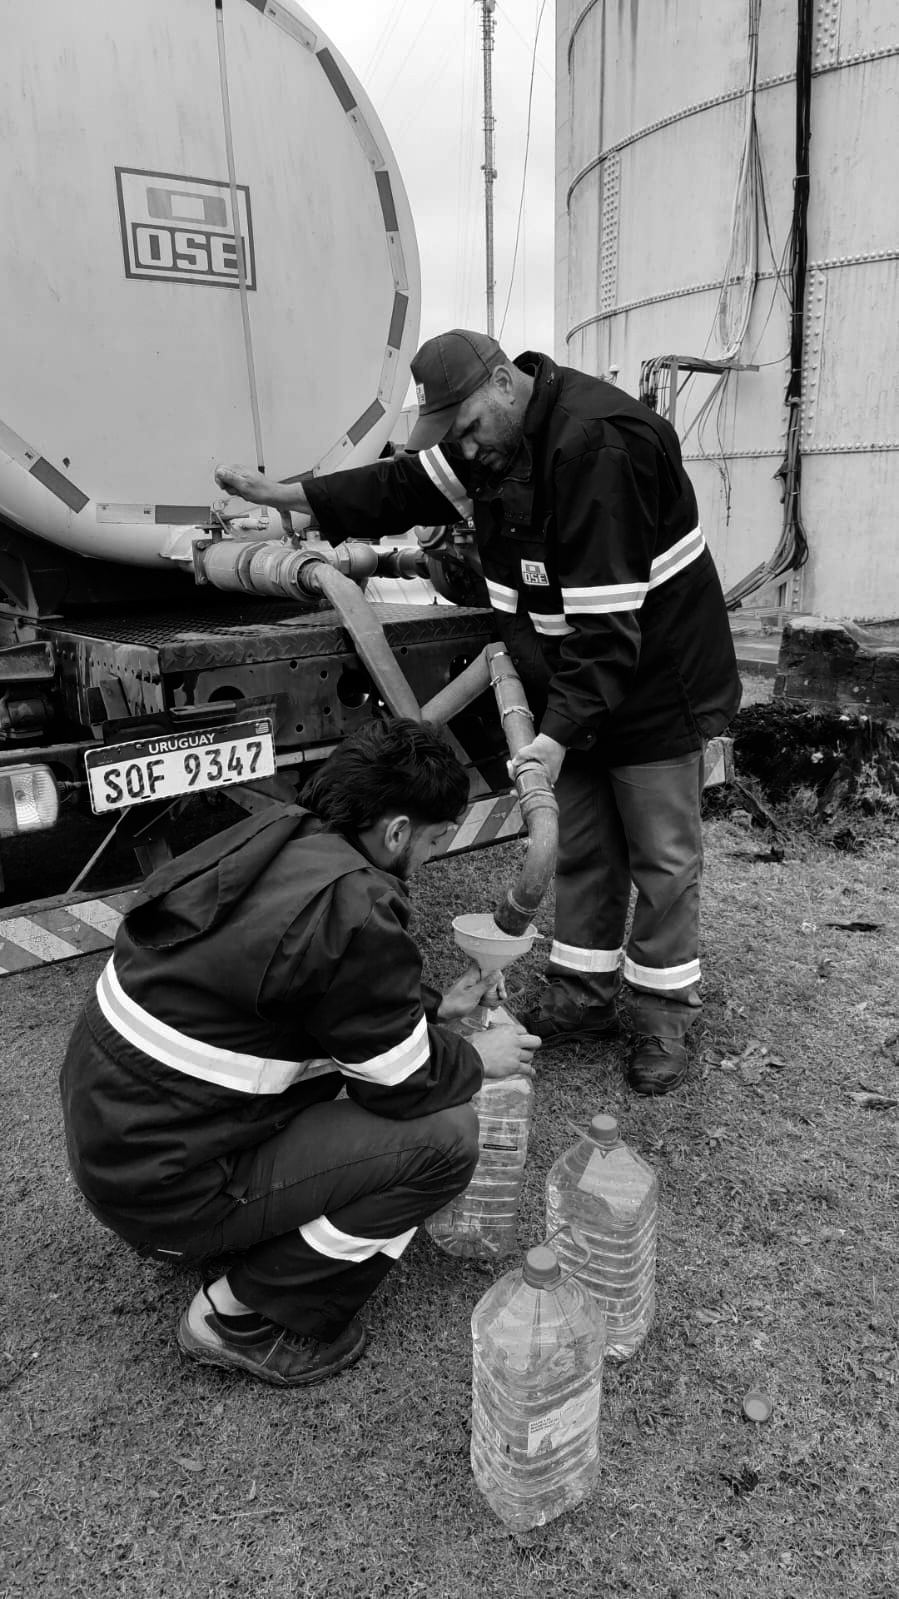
{"x": 488, "y": 26}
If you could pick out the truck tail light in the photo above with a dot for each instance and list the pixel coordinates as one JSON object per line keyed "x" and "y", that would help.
{"x": 29, "y": 799}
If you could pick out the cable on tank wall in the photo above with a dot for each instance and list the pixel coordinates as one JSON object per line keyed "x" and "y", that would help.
{"x": 792, "y": 549}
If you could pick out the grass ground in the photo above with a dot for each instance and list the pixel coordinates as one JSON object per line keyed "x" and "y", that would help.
{"x": 124, "y": 1472}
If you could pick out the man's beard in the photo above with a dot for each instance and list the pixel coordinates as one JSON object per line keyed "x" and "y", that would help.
{"x": 402, "y": 866}
{"x": 486, "y": 481}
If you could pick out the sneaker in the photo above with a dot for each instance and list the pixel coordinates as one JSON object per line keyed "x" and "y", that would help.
{"x": 582, "y": 1024}
{"x": 273, "y": 1354}
{"x": 656, "y": 1065}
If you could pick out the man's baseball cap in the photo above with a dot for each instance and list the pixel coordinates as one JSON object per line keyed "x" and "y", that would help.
{"x": 447, "y": 370}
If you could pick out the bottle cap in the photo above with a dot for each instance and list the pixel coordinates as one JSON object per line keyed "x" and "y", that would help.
{"x": 604, "y": 1131}
{"x": 541, "y": 1268}
{"x": 757, "y": 1406}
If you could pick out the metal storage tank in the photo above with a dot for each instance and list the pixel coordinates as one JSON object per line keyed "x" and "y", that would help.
{"x": 138, "y": 141}
{"x": 686, "y": 228}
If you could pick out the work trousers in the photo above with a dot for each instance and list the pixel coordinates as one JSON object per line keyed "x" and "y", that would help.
{"x": 621, "y": 826}
{"x": 319, "y": 1214}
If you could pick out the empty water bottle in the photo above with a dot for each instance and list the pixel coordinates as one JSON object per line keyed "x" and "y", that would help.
{"x": 603, "y": 1188}
{"x": 536, "y": 1388}
{"x": 481, "y": 1222}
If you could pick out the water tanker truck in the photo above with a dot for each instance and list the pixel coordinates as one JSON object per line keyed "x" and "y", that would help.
{"x": 207, "y": 254}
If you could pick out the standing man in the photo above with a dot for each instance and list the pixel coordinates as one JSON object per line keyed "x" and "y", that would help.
{"x": 609, "y": 603}
{"x": 257, "y": 976}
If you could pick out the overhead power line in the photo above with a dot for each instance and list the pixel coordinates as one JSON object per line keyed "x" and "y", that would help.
{"x": 383, "y": 43}
{"x": 524, "y": 170}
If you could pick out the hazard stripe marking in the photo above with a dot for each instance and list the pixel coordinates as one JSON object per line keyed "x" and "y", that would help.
{"x": 485, "y": 822}
{"x": 13, "y": 959}
{"x": 99, "y": 916}
{"x": 78, "y": 932}
{"x": 44, "y": 934}
{"x": 26, "y": 933}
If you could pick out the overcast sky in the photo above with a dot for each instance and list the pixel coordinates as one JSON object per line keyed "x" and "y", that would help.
{"x": 420, "y": 62}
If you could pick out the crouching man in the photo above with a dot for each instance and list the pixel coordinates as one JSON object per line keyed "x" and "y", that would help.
{"x": 256, "y": 977}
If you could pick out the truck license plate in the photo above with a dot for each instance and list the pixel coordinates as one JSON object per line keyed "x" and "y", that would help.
{"x": 170, "y": 764}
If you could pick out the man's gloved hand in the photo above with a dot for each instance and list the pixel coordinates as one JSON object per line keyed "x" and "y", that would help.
{"x": 548, "y": 751}
{"x": 506, "y": 1051}
{"x": 469, "y": 991}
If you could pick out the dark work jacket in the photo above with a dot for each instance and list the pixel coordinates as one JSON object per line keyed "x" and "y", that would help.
{"x": 601, "y": 584}
{"x": 275, "y": 942}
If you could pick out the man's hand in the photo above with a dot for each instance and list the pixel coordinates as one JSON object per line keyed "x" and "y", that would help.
{"x": 548, "y": 751}
{"x": 247, "y": 484}
{"x": 506, "y": 1051}
{"x": 469, "y": 991}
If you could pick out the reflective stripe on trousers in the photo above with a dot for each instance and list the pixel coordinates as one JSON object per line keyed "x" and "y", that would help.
{"x": 635, "y": 824}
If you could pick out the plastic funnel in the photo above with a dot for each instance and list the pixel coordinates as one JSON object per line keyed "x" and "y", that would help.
{"x": 479, "y": 937}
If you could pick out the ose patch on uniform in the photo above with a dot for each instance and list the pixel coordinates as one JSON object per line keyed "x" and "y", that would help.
{"x": 534, "y": 573}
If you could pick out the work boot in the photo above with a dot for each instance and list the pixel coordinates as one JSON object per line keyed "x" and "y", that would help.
{"x": 657, "y": 1060}
{"x": 656, "y": 1065}
{"x": 273, "y": 1354}
{"x": 573, "y": 1024}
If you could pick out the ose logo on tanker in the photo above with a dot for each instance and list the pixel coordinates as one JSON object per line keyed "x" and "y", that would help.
{"x": 179, "y": 229}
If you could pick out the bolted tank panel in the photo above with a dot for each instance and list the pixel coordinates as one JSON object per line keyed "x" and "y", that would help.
{"x": 850, "y": 412}
{"x": 124, "y": 350}
{"x": 653, "y": 132}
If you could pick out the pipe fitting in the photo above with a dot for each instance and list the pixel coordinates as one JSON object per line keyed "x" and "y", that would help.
{"x": 406, "y": 562}
{"x": 266, "y": 568}
{"x": 353, "y": 558}
{"x": 359, "y": 560}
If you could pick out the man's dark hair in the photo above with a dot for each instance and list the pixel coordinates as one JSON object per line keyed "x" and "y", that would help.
{"x": 388, "y": 767}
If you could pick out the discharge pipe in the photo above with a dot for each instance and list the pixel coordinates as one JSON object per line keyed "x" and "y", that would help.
{"x": 271, "y": 569}
{"x": 540, "y": 812}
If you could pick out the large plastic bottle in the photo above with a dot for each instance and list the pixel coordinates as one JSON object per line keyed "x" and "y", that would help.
{"x": 603, "y": 1188}
{"x": 481, "y": 1222}
{"x": 536, "y": 1386}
